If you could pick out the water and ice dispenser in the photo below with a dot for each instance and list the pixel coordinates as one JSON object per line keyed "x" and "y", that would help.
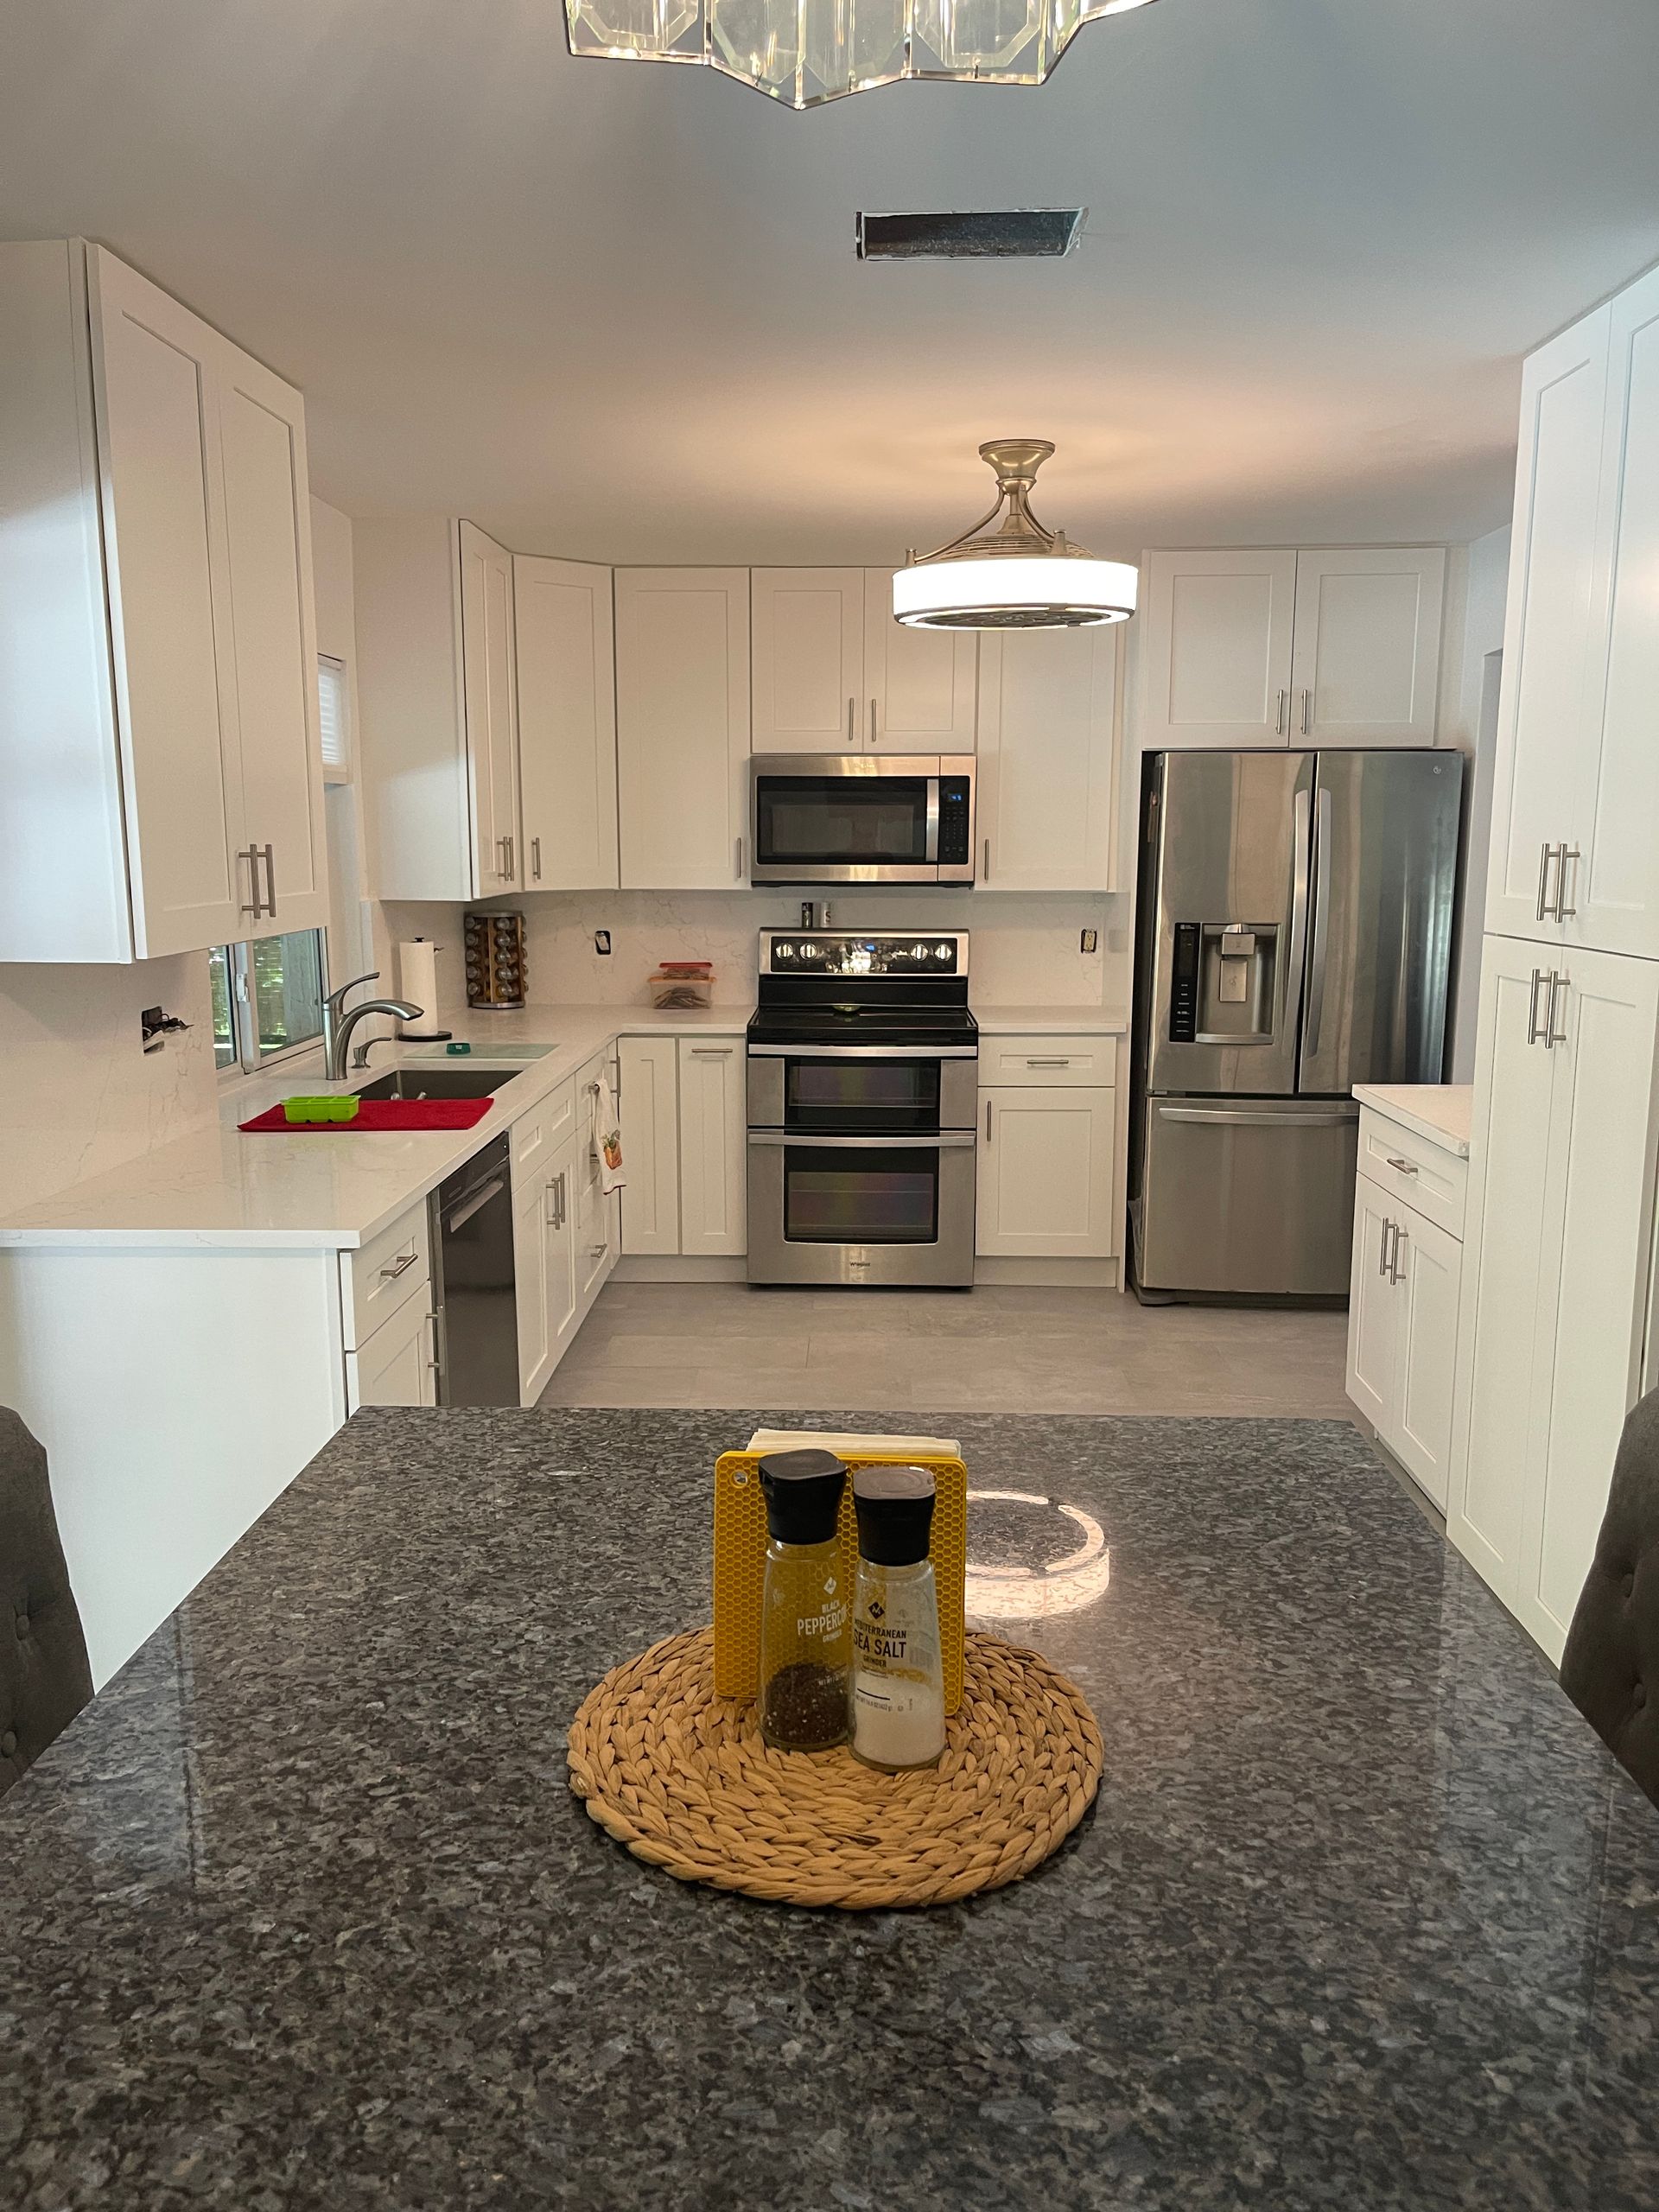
{"x": 1222, "y": 983}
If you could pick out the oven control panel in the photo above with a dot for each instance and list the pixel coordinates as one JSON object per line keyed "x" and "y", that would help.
{"x": 844, "y": 952}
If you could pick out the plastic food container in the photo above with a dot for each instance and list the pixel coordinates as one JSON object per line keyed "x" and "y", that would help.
{"x": 320, "y": 1109}
{"x": 680, "y": 992}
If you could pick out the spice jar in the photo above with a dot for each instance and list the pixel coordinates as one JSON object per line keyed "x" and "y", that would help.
{"x": 805, "y": 1639}
{"x": 898, "y": 1708}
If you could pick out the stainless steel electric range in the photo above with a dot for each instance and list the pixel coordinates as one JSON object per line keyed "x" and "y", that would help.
{"x": 862, "y": 1110}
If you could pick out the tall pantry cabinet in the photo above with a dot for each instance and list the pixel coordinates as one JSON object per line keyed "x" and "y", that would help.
{"x": 1554, "y": 1323}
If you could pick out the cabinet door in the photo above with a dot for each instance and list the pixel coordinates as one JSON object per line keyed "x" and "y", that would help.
{"x": 713, "y": 1148}
{"x": 395, "y": 1366}
{"x": 1366, "y": 665}
{"x": 153, "y": 367}
{"x": 268, "y": 554}
{"x": 559, "y": 1216}
{"x": 921, "y": 685}
{"x": 1614, "y": 887}
{"x": 1597, "y": 1217}
{"x": 1373, "y": 1309}
{"x": 1045, "y": 1174}
{"x": 491, "y": 717}
{"x": 649, "y": 1103}
{"x": 1502, "y": 1266}
{"x": 1542, "y": 722}
{"x": 529, "y": 1256}
{"x": 682, "y": 727}
{"x": 809, "y": 693}
{"x": 1217, "y": 647}
{"x": 1430, "y": 1263}
{"x": 595, "y": 1248}
{"x": 1048, "y": 759}
{"x": 566, "y": 668}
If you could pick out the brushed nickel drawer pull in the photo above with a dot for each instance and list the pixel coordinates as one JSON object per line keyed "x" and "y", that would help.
{"x": 1404, "y": 1166}
{"x": 399, "y": 1267}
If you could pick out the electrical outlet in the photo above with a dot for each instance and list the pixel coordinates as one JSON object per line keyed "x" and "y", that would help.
{"x": 1091, "y": 940}
{"x": 601, "y": 941}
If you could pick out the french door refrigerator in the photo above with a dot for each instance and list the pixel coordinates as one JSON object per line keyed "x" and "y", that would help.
{"x": 1294, "y": 938}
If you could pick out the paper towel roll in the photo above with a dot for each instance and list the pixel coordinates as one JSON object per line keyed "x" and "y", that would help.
{"x": 418, "y": 979}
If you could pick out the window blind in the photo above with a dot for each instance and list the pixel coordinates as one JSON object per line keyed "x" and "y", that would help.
{"x": 331, "y": 695}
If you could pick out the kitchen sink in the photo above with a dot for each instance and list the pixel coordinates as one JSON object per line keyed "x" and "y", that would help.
{"x": 438, "y": 1082}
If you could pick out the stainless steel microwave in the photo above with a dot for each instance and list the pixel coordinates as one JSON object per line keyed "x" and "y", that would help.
{"x": 861, "y": 817}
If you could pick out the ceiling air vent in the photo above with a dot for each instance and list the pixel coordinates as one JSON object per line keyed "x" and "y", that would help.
{"x": 1001, "y": 234}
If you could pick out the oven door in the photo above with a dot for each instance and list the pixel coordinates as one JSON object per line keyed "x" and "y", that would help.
{"x": 855, "y": 1090}
{"x": 884, "y": 1211}
{"x": 821, "y": 818}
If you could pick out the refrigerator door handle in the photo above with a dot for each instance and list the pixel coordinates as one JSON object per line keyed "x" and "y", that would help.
{"x": 1254, "y": 1117}
{"x": 1302, "y": 841}
{"x": 1321, "y": 923}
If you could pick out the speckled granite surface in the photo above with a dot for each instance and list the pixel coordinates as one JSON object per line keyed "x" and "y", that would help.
{"x": 301, "y": 1915}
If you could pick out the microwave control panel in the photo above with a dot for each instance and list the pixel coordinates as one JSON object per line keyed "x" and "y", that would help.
{"x": 956, "y": 826}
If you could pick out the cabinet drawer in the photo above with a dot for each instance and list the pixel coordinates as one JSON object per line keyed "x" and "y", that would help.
{"x": 1412, "y": 1170}
{"x": 385, "y": 1271}
{"x": 1089, "y": 1062}
{"x": 537, "y": 1135}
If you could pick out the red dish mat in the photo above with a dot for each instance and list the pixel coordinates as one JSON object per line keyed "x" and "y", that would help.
{"x": 378, "y": 1113}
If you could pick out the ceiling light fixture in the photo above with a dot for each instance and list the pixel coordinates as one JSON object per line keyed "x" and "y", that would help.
{"x": 1018, "y": 576}
{"x": 806, "y": 52}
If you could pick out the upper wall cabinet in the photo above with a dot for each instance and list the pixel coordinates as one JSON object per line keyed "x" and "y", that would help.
{"x": 682, "y": 727}
{"x": 1048, "y": 754}
{"x": 437, "y": 700}
{"x": 1256, "y": 648}
{"x": 833, "y": 672}
{"x": 159, "y": 739}
{"x": 567, "y": 724}
{"x": 1575, "y": 811}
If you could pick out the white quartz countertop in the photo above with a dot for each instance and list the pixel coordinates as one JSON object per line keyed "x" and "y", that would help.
{"x": 1438, "y": 1111}
{"x": 333, "y": 1188}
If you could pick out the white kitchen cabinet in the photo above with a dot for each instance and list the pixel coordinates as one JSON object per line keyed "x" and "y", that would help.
{"x": 1048, "y": 759}
{"x": 565, "y": 666}
{"x": 530, "y": 1204}
{"x": 1216, "y": 648}
{"x": 559, "y": 1226}
{"x": 835, "y": 673}
{"x": 713, "y": 1148}
{"x": 808, "y": 658}
{"x": 1548, "y": 624}
{"x": 1554, "y": 1304}
{"x": 160, "y": 746}
{"x": 1260, "y": 647}
{"x": 488, "y": 703}
{"x": 921, "y": 686}
{"x": 397, "y": 1365}
{"x": 649, "y": 1104}
{"x": 683, "y": 726}
{"x": 1365, "y": 653}
{"x": 1402, "y": 1331}
{"x": 1045, "y": 1173}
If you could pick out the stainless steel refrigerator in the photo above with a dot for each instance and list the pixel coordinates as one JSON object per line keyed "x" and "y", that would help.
{"x": 1294, "y": 938}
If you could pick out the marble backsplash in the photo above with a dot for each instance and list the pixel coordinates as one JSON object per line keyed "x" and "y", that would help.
{"x": 78, "y": 1093}
{"x": 1026, "y": 950}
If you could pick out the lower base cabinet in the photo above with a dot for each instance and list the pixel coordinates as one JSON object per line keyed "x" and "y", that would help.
{"x": 566, "y": 1232}
{"x": 684, "y": 1146}
{"x": 397, "y": 1366}
{"x": 1046, "y": 1167}
{"x": 1403, "y": 1332}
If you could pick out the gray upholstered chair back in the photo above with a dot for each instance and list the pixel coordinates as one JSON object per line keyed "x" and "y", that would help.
{"x": 44, "y": 1677}
{"x": 1611, "y": 1666}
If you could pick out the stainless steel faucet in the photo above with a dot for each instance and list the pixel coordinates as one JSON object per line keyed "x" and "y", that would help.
{"x": 337, "y": 1026}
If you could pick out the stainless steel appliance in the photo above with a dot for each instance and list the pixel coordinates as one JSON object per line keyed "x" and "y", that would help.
{"x": 862, "y": 1109}
{"x": 1294, "y": 938}
{"x": 475, "y": 1285}
{"x": 860, "y": 818}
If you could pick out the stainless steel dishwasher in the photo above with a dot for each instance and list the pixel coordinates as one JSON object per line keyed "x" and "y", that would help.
{"x": 477, "y": 1301}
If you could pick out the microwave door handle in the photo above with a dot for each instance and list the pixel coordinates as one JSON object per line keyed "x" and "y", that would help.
{"x": 931, "y": 852}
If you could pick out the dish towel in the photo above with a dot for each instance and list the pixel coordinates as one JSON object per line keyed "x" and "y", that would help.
{"x": 607, "y": 1138}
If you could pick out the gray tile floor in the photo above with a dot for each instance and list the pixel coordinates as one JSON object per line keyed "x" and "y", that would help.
{"x": 987, "y": 1351}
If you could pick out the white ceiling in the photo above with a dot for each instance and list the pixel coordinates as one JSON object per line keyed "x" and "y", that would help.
{"x": 613, "y": 311}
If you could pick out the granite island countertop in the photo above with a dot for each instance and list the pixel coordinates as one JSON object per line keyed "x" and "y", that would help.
{"x": 300, "y": 1914}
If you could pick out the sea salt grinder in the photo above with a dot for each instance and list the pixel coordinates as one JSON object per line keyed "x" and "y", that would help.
{"x": 898, "y": 1708}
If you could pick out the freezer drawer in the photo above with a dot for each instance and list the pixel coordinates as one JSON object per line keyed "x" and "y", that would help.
{"x": 1247, "y": 1196}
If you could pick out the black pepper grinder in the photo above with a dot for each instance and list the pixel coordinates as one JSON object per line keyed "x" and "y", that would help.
{"x": 806, "y": 1645}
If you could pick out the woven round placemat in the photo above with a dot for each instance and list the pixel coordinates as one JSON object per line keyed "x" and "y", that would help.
{"x": 684, "y": 1779}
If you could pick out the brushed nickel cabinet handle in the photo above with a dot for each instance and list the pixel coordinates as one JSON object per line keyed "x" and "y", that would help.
{"x": 1396, "y": 1273}
{"x": 1563, "y": 912}
{"x": 1535, "y": 1027}
{"x": 1546, "y": 854}
{"x": 1307, "y": 710}
{"x": 1281, "y": 719}
{"x": 852, "y": 723}
{"x": 535, "y": 859}
{"x": 435, "y": 1363}
{"x": 738, "y": 870}
{"x": 1551, "y": 1036}
{"x": 988, "y": 1120}
{"x": 252, "y": 855}
{"x": 986, "y": 871}
{"x": 873, "y": 739}
{"x": 271, "y": 885}
{"x": 1382, "y": 1248}
{"x": 1404, "y": 1166}
{"x": 712, "y": 1051}
{"x": 399, "y": 1267}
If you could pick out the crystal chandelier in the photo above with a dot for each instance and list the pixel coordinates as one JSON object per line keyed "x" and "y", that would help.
{"x": 1018, "y": 576}
{"x": 806, "y": 52}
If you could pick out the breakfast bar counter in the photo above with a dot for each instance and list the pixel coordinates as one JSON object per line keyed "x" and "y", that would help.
{"x": 300, "y": 1913}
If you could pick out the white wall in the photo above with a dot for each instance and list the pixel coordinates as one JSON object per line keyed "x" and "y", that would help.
{"x": 1025, "y": 950}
